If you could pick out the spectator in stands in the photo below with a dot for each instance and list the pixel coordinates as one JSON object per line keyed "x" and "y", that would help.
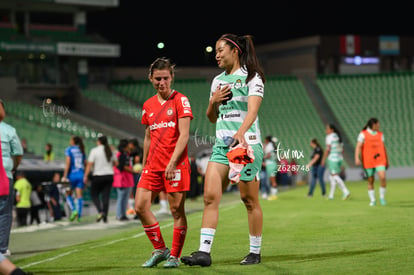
{"x": 123, "y": 178}
{"x": 371, "y": 153}
{"x": 75, "y": 160}
{"x": 23, "y": 190}
{"x": 271, "y": 165}
{"x": 101, "y": 159}
{"x": 318, "y": 170}
{"x": 167, "y": 117}
{"x": 49, "y": 155}
{"x": 236, "y": 117}
{"x": 12, "y": 153}
{"x": 333, "y": 159}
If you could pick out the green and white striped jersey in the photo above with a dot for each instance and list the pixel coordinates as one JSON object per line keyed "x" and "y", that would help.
{"x": 232, "y": 114}
{"x": 335, "y": 153}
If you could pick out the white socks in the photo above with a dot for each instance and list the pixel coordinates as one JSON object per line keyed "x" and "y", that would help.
{"x": 255, "y": 244}
{"x": 334, "y": 181}
{"x": 371, "y": 194}
{"x": 206, "y": 239}
{"x": 382, "y": 192}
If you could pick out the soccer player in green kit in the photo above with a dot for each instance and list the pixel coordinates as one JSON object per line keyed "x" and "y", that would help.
{"x": 235, "y": 98}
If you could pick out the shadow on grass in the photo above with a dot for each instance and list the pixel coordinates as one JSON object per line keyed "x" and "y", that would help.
{"x": 308, "y": 257}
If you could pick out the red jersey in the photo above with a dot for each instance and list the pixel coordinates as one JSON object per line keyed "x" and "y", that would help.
{"x": 162, "y": 120}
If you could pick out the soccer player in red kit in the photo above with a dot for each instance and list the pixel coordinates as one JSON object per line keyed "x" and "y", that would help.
{"x": 167, "y": 117}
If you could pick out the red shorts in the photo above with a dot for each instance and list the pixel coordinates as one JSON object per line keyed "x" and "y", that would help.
{"x": 156, "y": 182}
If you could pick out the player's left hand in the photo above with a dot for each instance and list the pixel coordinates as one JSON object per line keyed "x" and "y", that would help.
{"x": 239, "y": 138}
{"x": 170, "y": 171}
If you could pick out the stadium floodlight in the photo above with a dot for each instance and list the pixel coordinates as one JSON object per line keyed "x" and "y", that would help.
{"x": 209, "y": 49}
{"x": 160, "y": 45}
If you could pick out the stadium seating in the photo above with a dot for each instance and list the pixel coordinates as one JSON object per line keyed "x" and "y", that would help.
{"x": 114, "y": 101}
{"x": 39, "y": 127}
{"x": 354, "y": 99}
{"x": 288, "y": 114}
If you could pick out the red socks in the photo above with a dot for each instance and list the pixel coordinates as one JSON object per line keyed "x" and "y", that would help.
{"x": 154, "y": 235}
{"x": 178, "y": 240}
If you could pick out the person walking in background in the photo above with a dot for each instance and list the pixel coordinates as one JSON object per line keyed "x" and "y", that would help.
{"x": 370, "y": 151}
{"x": 123, "y": 178}
{"x": 235, "y": 98}
{"x": 75, "y": 160}
{"x": 271, "y": 166}
{"x": 12, "y": 154}
{"x": 101, "y": 159}
{"x": 318, "y": 170}
{"x": 23, "y": 190}
{"x": 49, "y": 154}
{"x": 333, "y": 159}
{"x": 167, "y": 117}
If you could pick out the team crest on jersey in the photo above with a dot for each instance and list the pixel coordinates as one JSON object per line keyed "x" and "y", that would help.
{"x": 238, "y": 84}
{"x": 169, "y": 111}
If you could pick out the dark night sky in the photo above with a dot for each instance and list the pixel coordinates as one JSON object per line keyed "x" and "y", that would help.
{"x": 187, "y": 29}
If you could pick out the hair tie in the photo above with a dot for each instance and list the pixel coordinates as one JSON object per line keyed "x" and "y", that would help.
{"x": 234, "y": 43}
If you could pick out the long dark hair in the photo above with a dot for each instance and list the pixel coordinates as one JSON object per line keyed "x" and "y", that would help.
{"x": 247, "y": 54}
{"x": 333, "y": 127}
{"x": 316, "y": 142}
{"x": 370, "y": 123}
{"x": 108, "y": 152}
{"x": 79, "y": 142}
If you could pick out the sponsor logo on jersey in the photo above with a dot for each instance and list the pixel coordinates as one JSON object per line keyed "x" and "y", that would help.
{"x": 162, "y": 124}
{"x": 186, "y": 105}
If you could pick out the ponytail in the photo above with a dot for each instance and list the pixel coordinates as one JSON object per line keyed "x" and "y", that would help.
{"x": 333, "y": 127}
{"x": 370, "y": 123}
{"x": 247, "y": 54}
{"x": 78, "y": 141}
{"x": 108, "y": 152}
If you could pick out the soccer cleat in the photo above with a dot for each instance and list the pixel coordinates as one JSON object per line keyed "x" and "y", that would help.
{"x": 172, "y": 262}
{"x": 372, "y": 203}
{"x": 197, "y": 258}
{"x": 251, "y": 258}
{"x": 157, "y": 256}
{"x": 383, "y": 202}
{"x": 73, "y": 215}
{"x": 272, "y": 198}
{"x": 346, "y": 196}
